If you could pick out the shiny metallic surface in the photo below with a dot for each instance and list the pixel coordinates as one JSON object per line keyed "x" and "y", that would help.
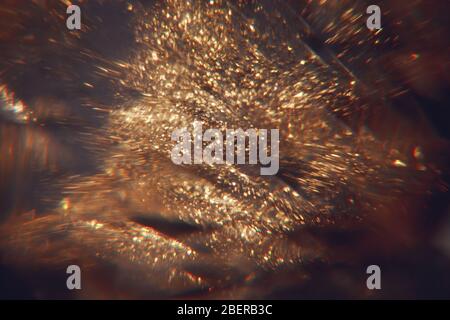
{"x": 86, "y": 178}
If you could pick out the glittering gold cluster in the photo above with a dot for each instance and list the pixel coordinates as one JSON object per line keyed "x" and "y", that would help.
{"x": 229, "y": 65}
